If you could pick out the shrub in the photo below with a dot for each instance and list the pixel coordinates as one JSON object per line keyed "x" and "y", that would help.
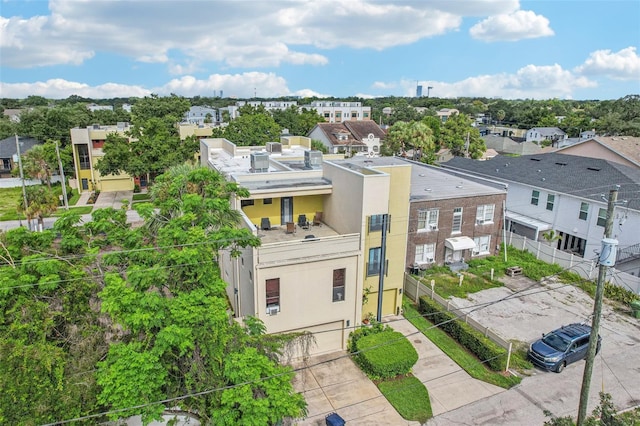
{"x": 386, "y": 354}
{"x": 409, "y": 397}
{"x": 472, "y": 340}
{"x": 619, "y": 294}
{"x": 376, "y": 327}
{"x": 136, "y": 188}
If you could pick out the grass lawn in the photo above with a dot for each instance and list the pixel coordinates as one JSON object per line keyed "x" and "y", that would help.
{"x": 141, "y": 197}
{"x": 79, "y": 210}
{"x": 447, "y": 283}
{"x": 8, "y": 207}
{"x": 457, "y": 353}
{"x": 409, "y": 397}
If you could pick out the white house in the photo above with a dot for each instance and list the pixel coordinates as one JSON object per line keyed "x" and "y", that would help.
{"x": 541, "y": 134}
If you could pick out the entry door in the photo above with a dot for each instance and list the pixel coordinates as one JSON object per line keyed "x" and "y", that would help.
{"x": 286, "y": 210}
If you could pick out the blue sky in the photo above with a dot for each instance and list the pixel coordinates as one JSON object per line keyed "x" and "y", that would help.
{"x": 564, "y": 49}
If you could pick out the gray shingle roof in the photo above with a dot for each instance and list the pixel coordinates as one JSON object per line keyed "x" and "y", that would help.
{"x": 8, "y": 145}
{"x": 569, "y": 174}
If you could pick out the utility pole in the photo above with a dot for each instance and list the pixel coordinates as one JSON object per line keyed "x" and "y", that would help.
{"x": 64, "y": 180}
{"x": 24, "y": 189}
{"x": 597, "y": 311}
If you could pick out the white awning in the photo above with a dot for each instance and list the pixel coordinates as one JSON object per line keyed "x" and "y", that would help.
{"x": 528, "y": 221}
{"x": 459, "y": 243}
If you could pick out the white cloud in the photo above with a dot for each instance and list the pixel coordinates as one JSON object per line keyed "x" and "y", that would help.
{"x": 384, "y": 85}
{"x": 234, "y": 33}
{"x": 60, "y": 89}
{"x": 529, "y": 82}
{"x": 621, "y": 65}
{"x": 235, "y": 85}
{"x": 521, "y": 24}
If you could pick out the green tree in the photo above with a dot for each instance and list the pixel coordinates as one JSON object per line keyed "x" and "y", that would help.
{"x": 35, "y": 165}
{"x": 170, "y": 109}
{"x": 462, "y": 138}
{"x": 252, "y": 128}
{"x": 299, "y": 122}
{"x": 41, "y": 202}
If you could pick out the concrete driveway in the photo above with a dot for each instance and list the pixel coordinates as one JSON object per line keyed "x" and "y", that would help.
{"x": 113, "y": 199}
{"x": 334, "y": 383}
{"x": 540, "y": 309}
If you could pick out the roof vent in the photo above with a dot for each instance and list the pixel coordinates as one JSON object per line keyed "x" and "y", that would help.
{"x": 595, "y": 169}
{"x": 259, "y": 162}
{"x": 534, "y": 159}
{"x": 560, "y": 163}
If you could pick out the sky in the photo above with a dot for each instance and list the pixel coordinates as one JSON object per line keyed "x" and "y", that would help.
{"x": 544, "y": 49}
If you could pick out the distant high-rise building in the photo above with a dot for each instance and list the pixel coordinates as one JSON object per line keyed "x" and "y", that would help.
{"x": 221, "y": 94}
{"x": 419, "y": 91}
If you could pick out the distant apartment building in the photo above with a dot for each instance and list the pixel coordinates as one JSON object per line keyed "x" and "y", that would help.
{"x": 200, "y": 115}
{"x": 338, "y": 112}
{"x": 269, "y": 105}
{"x": 95, "y": 107}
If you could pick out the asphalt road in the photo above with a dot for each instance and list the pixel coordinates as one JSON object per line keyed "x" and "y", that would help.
{"x": 540, "y": 309}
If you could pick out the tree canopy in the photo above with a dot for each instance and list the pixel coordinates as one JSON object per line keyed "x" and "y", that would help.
{"x": 461, "y": 138}
{"x": 254, "y": 126}
{"x": 138, "y": 316}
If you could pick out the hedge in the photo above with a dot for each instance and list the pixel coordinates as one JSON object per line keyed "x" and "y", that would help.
{"x": 386, "y": 354}
{"x": 474, "y": 341}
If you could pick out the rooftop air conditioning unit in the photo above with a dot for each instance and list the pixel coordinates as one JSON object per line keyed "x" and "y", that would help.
{"x": 274, "y": 147}
{"x": 259, "y": 162}
{"x": 312, "y": 159}
{"x": 480, "y": 222}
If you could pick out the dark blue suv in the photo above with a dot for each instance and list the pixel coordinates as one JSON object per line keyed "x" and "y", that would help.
{"x": 561, "y": 347}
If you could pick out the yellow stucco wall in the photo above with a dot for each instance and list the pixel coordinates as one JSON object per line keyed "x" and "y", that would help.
{"x": 308, "y": 205}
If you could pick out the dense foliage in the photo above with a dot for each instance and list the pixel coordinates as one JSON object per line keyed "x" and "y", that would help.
{"x": 99, "y": 317}
{"x": 474, "y": 341}
{"x": 386, "y": 354}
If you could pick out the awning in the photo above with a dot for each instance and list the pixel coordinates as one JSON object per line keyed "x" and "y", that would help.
{"x": 528, "y": 221}
{"x": 459, "y": 243}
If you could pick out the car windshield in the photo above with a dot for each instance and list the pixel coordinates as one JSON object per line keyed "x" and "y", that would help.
{"x": 556, "y": 342}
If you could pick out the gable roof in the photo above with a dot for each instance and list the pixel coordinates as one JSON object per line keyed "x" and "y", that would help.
{"x": 356, "y": 131}
{"x": 8, "y": 145}
{"x": 627, "y": 147}
{"x": 548, "y": 131}
{"x": 569, "y": 174}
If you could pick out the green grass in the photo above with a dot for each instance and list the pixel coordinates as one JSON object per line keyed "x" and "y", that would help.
{"x": 10, "y": 199}
{"x": 447, "y": 283}
{"x": 409, "y": 397}
{"x": 141, "y": 197}
{"x": 531, "y": 267}
{"x": 75, "y": 196}
{"x": 457, "y": 353}
{"x": 79, "y": 210}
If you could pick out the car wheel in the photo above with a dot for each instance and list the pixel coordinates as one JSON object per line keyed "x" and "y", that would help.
{"x": 561, "y": 367}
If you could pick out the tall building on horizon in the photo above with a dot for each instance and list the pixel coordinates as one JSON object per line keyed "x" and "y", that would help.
{"x": 418, "y": 91}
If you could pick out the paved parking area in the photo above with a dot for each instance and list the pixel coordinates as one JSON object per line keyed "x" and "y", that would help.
{"x": 540, "y": 309}
{"x": 113, "y": 199}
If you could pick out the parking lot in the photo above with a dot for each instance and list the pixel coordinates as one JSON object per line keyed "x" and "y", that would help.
{"x": 522, "y": 311}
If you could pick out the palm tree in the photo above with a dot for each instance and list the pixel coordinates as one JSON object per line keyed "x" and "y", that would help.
{"x": 41, "y": 202}
{"x": 551, "y": 237}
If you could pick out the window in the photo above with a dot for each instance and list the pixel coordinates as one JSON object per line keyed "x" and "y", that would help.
{"x": 375, "y": 222}
{"x": 85, "y": 184}
{"x": 482, "y": 245}
{"x": 535, "y": 196}
{"x": 326, "y": 115}
{"x": 83, "y": 157}
{"x": 6, "y": 164}
{"x": 457, "y": 220}
{"x": 584, "y": 211}
{"x": 338, "y": 284}
{"x": 484, "y": 213}
{"x": 245, "y": 203}
{"x": 267, "y": 201}
{"x": 602, "y": 217}
{"x": 273, "y": 294}
{"x": 365, "y": 115}
{"x": 427, "y": 219}
{"x": 425, "y": 253}
{"x": 354, "y": 114}
{"x": 373, "y": 266}
{"x": 550, "y": 199}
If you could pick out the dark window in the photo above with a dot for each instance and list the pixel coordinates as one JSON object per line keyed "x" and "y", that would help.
{"x": 373, "y": 266}
{"x": 602, "y": 217}
{"x": 338, "y": 284}
{"x": 584, "y": 211}
{"x": 83, "y": 157}
{"x": 273, "y": 293}
{"x": 535, "y": 196}
{"x": 267, "y": 201}
{"x": 375, "y": 222}
{"x": 550, "y": 200}
{"x": 6, "y": 164}
{"x": 85, "y": 184}
{"x": 245, "y": 203}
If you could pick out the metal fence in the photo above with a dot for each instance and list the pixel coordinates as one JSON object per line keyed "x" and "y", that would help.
{"x": 414, "y": 289}
{"x": 584, "y": 267}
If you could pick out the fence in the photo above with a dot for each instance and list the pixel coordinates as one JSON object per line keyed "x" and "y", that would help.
{"x": 16, "y": 182}
{"x": 414, "y": 289}
{"x": 584, "y": 267}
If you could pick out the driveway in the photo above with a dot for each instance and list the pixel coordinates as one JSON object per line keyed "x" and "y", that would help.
{"x": 113, "y": 199}
{"x": 334, "y": 383}
{"x": 541, "y": 308}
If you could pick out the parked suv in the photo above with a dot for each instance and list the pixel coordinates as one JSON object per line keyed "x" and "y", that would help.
{"x": 561, "y": 347}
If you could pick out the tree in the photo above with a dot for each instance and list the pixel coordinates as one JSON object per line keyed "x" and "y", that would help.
{"x": 41, "y": 202}
{"x": 299, "y": 122}
{"x": 36, "y": 166}
{"x": 252, "y": 128}
{"x": 170, "y": 109}
{"x": 462, "y": 138}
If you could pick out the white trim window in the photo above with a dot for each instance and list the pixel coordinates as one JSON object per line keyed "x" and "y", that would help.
{"x": 484, "y": 214}
{"x": 425, "y": 253}
{"x": 428, "y": 220}
{"x": 456, "y": 226}
{"x": 483, "y": 245}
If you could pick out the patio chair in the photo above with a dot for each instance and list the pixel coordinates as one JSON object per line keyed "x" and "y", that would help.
{"x": 291, "y": 228}
{"x": 303, "y": 222}
{"x": 317, "y": 219}
{"x": 265, "y": 224}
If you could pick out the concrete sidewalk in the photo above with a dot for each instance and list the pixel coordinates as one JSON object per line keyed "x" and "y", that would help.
{"x": 449, "y": 386}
